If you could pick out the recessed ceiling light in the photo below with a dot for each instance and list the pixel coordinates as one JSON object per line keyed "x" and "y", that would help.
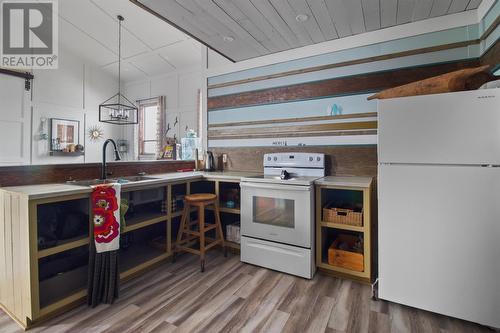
{"x": 301, "y": 18}
{"x": 228, "y": 39}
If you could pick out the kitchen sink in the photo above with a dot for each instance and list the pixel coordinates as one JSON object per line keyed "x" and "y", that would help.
{"x": 121, "y": 180}
{"x": 135, "y": 178}
{"x": 91, "y": 182}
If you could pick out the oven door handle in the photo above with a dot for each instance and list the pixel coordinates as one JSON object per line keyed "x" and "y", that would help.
{"x": 280, "y": 187}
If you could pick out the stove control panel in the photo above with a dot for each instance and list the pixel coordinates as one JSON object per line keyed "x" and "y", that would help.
{"x": 297, "y": 160}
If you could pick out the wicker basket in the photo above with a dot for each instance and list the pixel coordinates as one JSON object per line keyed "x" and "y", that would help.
{"x": 343, "y": 216}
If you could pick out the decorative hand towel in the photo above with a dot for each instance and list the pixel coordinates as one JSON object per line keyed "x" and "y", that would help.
{"x": 103, "y": 259}
{"x": 106, "y": 217}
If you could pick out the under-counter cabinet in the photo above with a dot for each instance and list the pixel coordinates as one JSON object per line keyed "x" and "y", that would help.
{"x": 44, "y": 249}
{"x": 343, "y": 226}
{"x": 44, "y": 254}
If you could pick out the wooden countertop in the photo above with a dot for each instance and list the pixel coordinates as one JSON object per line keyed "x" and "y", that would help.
{"x": 345, "y": 181}
{"x": 41, "y": 191}
{"x": 55, "y": 190}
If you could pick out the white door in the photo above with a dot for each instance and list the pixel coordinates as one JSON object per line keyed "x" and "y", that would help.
{"x": 15, "y": 121}
{"x": 453, "y": 128}
{"x": 439, "y": 232}
{"x": 281, "y": 213}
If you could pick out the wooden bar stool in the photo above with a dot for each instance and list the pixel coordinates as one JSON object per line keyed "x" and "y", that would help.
{"x": 195, "y": 230}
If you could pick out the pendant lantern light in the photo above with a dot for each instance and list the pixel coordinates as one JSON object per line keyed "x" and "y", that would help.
{"x": 118, "y": 109}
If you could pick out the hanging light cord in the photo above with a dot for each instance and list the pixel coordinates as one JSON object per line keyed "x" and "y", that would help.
{"x": 120, "y": 19}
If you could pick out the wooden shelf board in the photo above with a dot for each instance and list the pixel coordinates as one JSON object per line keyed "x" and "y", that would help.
{"x": 342, "y": 226}
{"x": 143, "y": 266}
{"x": 327, "y": 266}
{"x": 227, "y": 210}
{"x": 144, "y": 220}
{"x": 179, "y": 212}
{"x": 62, "y": 153}
{"x": 232, "y": 245}
{"x": 57, "y": 289}
{"x": 230, "y": 210}
{"x": 138, "y": 255}
{"x": 79, "y": 295}
{"x": 64, "y": 246}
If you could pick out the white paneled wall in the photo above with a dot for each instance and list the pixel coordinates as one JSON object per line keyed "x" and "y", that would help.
{"x": 14, "y": 122}
{"x": 73, "y": 91}
{"x": 99, "y": 86}
{"x": 181, "y": 92}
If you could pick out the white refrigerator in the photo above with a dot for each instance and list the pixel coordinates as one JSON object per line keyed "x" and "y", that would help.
{"x": 439, "y": 203}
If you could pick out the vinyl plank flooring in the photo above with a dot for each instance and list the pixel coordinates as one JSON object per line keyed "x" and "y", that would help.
{"x": 231, "y": 296}
{"x": 276, "y": 321}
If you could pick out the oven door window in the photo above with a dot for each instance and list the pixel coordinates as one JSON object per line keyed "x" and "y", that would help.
{"x": 274, "y": 211}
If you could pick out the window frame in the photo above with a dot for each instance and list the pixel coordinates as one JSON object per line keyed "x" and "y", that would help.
{"x": 142, "y": 108}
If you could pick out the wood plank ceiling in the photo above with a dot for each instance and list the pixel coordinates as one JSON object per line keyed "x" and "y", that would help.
{"x": 243, "y": 29}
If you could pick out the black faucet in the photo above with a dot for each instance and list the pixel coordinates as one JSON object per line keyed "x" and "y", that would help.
{"x": 117, "y": 156}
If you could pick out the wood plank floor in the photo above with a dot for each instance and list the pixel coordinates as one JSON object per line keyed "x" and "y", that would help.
{"x": 235, "y": 297}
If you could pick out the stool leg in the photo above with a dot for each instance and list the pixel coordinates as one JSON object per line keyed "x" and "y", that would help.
{"x": 181, "y": 230}
{"x": 219, "y": 227}
{"x": 201, "y": 223}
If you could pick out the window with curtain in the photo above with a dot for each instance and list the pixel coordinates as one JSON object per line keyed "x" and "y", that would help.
{"x": 151, "y": 126}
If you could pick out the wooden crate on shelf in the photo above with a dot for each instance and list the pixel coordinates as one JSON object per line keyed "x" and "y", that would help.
{"x": 344, "y": 258}
{"x": 343, "y": 216}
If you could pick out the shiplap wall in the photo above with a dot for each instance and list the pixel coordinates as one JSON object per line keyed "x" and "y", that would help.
{"x": 223, "y": 85}
{"x": 73, "y": 91}
{"x": 181, "y": 93}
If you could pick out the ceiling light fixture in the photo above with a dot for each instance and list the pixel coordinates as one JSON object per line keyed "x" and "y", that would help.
{"x": 301, "y": 17}
{"x": 228, "y": 39}
{"x": 118, "y": 109}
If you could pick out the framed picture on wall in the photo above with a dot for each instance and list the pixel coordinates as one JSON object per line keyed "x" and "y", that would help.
{"x": 63, "y": 133}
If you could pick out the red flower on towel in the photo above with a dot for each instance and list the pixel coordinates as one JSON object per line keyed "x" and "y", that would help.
{"x": 105, "y": 197}
{"x": 106, "y": 227}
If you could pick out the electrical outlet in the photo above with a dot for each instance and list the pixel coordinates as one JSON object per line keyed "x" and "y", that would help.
{"x": 224, "y": 158}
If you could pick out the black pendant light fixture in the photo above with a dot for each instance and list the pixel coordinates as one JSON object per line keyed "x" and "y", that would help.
{"x": 118, "y": 109}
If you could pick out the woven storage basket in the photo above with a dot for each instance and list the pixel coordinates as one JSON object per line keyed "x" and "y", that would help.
{"x": 343, "y": 216}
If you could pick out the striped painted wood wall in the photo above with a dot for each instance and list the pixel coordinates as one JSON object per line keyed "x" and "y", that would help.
{"x": 289, "y": 104}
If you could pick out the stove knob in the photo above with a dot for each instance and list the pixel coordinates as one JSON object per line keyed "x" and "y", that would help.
{"x": 318, "y": 158}
{"x": 311, "y": 158}
{"x": 275, "y": 158}
{"x": 269, "y": 158}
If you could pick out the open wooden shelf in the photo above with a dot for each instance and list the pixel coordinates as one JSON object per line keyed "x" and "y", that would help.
{"x": 63, "y": 153}
{"x": 342, "y": 226}
{"x": 232, "y": 245}
{"x": 78, "y": 296}
{"x": 59, "y": 287}
{"x": 326, "y": 232}
{"x": 64, "y": 246}
{"x": 226, "y": 210}
{"x": 178, "y": 213}
{"x": 359, "y": 275}
{"x": 139, "y": 257}
{"x": 144, "y": 220}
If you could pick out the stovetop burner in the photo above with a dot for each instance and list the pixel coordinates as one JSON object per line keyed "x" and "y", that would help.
{"x": 293, "y": 180}
{"x": 291, "y": 169}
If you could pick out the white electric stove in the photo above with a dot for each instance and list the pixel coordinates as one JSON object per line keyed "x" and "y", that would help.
{"x": 277, "y": 213}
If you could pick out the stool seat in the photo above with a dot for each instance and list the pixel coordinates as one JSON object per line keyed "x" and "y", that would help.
{"x": 200, "y": 197}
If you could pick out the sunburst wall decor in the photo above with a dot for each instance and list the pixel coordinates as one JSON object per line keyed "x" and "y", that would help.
{"x": 95, "y": 133}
